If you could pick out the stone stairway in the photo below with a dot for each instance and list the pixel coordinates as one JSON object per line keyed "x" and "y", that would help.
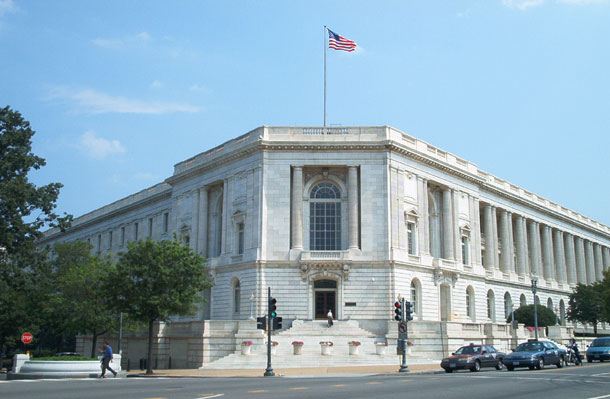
{"x": 311, "y": 333}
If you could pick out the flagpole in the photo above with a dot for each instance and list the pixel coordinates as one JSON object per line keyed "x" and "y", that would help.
{"x": 325, "y": 37}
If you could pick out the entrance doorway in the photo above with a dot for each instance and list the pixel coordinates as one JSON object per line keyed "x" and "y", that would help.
{"x": 325, "y": 296}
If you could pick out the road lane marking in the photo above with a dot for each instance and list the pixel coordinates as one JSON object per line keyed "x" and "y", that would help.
{"x": 374, "y": 383}
{"x": 211, "y": 395}
{"x": 340, "y": 385}
{"x": 297, "y": 388}
{"x": 600, "y": 397}
{"x": 258, "y": 391}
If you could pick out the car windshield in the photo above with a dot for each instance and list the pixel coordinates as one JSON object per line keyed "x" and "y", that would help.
{"x": 601, "y": 342}
{"x": 468, "y": 350}
{"x": 529, "y": 347}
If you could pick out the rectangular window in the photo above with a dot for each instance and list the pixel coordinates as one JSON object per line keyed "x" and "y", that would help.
{"x": 465, "y": 251}
{"x": 122, "y": 236}
{"x": 150, "y": 226}
{"x": 110, "y": 240}
{"x": 165, "y": 222}
{"x": 411, "y": 238}
{"x": 99, "y": 243}
{"x": 240, "y": 238}
{"x": 325, "y": 226}
{"x": 135, "y": 231}
{"x": 483, "y": 257}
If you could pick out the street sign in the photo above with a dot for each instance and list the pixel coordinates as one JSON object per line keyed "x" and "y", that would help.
{"x": 402, "y": 330}
{"x": 26, "y": 338}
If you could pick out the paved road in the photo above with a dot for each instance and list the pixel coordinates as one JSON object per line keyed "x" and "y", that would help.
{"x": 589, "y": 381}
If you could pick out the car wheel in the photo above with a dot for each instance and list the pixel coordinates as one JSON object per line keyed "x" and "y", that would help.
{"x": 561, "y": 362}
{"x": 448, "y": 371}
{"x": 540, "y": 363}
{"x": 589, "y": 360}
{"x": 510, "y": 368}
{"x": 500, "y": 365}
{"x": 601, "y": 360}
{"x": 532, "y": 367}
{"x": 476, "y": 367}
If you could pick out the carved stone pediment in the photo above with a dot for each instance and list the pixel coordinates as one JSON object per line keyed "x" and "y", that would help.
{"x": 445, "y": 277}
{"x": 313, "y": 271}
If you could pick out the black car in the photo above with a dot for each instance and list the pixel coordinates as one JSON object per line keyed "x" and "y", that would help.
{"x": 473, "y": 357}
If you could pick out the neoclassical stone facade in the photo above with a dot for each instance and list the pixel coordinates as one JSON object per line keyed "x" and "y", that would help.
{"x": 348, "y": 219}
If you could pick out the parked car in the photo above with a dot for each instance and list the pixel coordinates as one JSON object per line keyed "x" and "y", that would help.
{"x": 599, "y": 350}
{"x": 535, "y": 354}
{"x": 473, "y": 357}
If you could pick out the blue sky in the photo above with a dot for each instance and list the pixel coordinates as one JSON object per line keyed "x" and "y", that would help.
{"x": 120, "y": 91}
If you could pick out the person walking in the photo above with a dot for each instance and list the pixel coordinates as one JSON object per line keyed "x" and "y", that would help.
{"x": 107, "y": 357}
{"x": 329, "y": 316}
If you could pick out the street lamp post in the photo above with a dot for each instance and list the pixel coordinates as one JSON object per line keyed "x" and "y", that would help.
{"x": 534, "y": 287}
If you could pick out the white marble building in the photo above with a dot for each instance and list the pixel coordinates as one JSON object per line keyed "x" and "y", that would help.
{"x": 348, "y": 219}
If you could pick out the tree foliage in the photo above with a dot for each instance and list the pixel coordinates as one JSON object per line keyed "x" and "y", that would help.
{"x": 585, "y": 304}
{"x": 154, "y": 280}
{"x": 525, "y": 315}
{"x": 19, "y": 198}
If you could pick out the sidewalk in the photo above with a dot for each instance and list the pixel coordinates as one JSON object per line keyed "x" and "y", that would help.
{"x": 291, "y": 372}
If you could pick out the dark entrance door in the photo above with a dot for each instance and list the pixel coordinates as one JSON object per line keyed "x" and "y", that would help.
{"x": 325, "y": 300}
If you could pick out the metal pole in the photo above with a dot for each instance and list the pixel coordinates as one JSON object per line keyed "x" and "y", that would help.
{"x": 403, "y": 342}
{"x": 120, "y": 333}
{"x": 534, "y": 282}
{"x": 269, "y": 371}
{"x": 325, "y": 38}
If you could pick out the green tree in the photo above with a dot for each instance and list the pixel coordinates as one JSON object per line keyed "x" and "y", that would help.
{"x": 80, "y": 303}
{"x": 525, "y": 315}
{"x": 24, "y": 208}
{"x": 585, "y": 304}
{"x": 154, "y": 280}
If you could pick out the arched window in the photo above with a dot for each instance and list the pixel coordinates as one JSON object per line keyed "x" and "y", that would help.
{"x": 470, "y": 303}
{"x": 325, "y": 217}
{"x": 522, "y": 300}
{"x": 236, "y": 297}
{"x": 415, "y": 295}
{"x": 549, "y": 304}
{"x": 491, "y": 306}
{"x": 508, "y": 304}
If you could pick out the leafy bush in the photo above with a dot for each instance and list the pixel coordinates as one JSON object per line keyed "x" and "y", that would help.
{"x": 525, "y": 315}
{"x": 65, "y": 358}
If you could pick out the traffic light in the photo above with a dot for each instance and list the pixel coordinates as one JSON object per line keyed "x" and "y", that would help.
{"x": 277, "y": 323}
{"x": 261, "y": 323}
{"x": 272, "y": 307}
{"x": 398, "y": 311}
{"x": 408, "y": 311}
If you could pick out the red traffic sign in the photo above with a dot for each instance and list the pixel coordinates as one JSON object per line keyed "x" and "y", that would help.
{"x": 26, "y": 338}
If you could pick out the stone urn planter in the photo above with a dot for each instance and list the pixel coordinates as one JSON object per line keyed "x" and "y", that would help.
{"x": 297, "y": 347}
{"x": 410, "y": 346}
{"x": 325, "y": 348}
{"x": 381, "y": 347}
{"x": 246, "y": 348}
{"x": 274, "y": 345}
{"x": 353, "y": 347}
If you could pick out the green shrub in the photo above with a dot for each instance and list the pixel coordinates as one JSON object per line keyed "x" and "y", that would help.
{"x": 65, "y": 358}
{"x": 525, "y": 315}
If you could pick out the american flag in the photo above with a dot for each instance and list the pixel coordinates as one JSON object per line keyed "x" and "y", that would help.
{"x": 338, "y": 42}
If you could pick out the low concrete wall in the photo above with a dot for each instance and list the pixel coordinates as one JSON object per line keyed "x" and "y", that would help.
{"x": 24, "y": 368}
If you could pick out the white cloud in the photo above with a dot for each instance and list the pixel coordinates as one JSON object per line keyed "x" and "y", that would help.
{"x": 95, "y": 102}
{"x": 465, "y": 13}
{"x": 7, "y": 7}
{"x": 122, "y": 42}
{"x": 98, "y": 147}
{"x": 156, "y": 84}
{"x": 198, "y": 87}
{"x": 522, "y": 4}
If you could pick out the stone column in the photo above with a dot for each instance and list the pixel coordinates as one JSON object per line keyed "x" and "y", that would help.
{"x": 457, "y": 236}
{"x": 424, "y": 229}
{"x": 527, "y": 265}
{"x": 599, "y": 266}
{"x": 534, "y": 248}
{"x": 589, "y": 262}
{"x": 225, "y": 210}
{"x": 297, "y": 208}
{"x": 488, "y": 231}
{"x": 511, "y": 242}
{"x": 476, "y": 231}
{"x": 581, "y": 265}
{"x": 547, "y": 253}
{"x": 570, "y": 258}
{"x": 352, "y": 205}
{"x": 202, "y": 245}
{"x": 503, "y": 233}
{"x": 560, "y": 264}
{"x": 194, "y": 239}
{"x": 606, "y": 258}
{"x": 494, "y": 226}
{"x": 520, "y": 245}
{"x": 447, "y": 225}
